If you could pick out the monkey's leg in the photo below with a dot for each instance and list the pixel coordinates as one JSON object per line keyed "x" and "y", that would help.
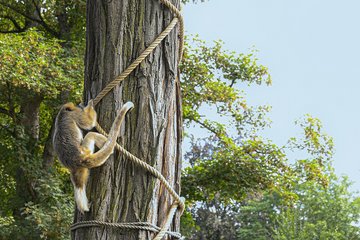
{"x": 93, "y": 139}
{"x": 91, "y": 160}
{"x": 79, "y": 178}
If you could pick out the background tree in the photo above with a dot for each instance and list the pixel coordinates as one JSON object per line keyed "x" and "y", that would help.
{"x": 321, "y": 213}
{"x": 41, "y": 67}
{"x": 316, "y": 205}
{"x": 30, "y": 63}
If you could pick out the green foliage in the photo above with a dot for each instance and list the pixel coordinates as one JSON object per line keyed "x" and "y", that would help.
{"x": 318, "y": 146}
{"x": 231, "y": 173}
{"x": 6, "y": 191}
{"x": 53, "y": 214}
{"x": 317, "y": 205}
{"x": 61, "y": 19}
{"x": 227, "y": 166}
{"x": 255, "y": 216}
{"x": 321, "y": 212}
{"x": 209, "y": 76}
{"x": 224, "y": 168}
{"x": 47, "y": 218}
{"x": 34, "y": 202}
{"x": 254, "y": 177}
{"x": 32, "y": 63}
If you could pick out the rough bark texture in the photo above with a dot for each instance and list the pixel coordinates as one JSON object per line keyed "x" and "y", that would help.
{"x": 30, "y": 115}
{"x": 29, "y": 119}
{"x": 119, "y": 191}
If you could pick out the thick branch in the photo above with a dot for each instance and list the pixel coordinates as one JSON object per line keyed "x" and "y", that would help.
{"x": 13, "y": 31}
{"x": 16, "y": 24}
{"x": 38, "y": 11}
{"x": 40, "y": 20}
{"x": 49, "y": 152}
{"x": 18, "y": 28}
{"x": 120, "y": 191}
{"x": 18, "y": 11}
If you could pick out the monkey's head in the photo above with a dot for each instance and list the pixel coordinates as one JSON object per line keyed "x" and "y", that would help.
{"x": 84, "y": 116}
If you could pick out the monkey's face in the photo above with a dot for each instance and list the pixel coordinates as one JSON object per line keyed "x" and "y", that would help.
{"x": 90, "y": 115}
{"x": 85, "y": 117}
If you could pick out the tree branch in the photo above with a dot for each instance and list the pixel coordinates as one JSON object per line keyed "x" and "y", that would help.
{"x": 16, "y": 24}
{"x": 13, "y": 31}
{"x": 232, "y": 83}
{"x": 49, "y": 152}
{"x": 40, "y": 20}
{"x": 43, "y": 23}
{"x": 206, "y": 127}
{"x": 18, "y": 28}
{"x": 209, "y": 128}
{"x": 18, "y": 12}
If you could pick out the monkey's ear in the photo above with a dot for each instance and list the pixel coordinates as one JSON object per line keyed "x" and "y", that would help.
{"x": 90, "y": 103}
{"x": 69, "y": 107}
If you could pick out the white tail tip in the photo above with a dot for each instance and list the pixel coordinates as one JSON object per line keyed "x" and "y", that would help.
{"x": 81, "y": 200}
{"x": 128, "y": 105}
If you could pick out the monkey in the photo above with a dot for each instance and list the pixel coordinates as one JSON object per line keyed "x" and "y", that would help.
{"x": 77, "y": 152}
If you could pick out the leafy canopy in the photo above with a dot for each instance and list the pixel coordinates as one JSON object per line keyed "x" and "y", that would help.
{"x": 33, "y": 63}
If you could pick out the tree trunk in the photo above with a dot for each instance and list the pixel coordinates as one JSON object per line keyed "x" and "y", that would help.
{"x": 30, "y": 116}
{"x": 120, "y": 191}
{"x": 30, "y": 121}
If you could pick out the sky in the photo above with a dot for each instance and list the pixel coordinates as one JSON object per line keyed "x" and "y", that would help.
{"x": 312, "y": 50}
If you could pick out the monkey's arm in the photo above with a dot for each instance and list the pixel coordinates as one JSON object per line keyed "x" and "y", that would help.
{"x": 106, "y": 145}
{"x": 91, "y": 140}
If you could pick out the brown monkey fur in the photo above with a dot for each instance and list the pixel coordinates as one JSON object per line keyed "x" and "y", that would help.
{"x": 76, "y": 152}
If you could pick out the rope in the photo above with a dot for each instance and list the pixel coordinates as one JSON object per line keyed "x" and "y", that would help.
{"x": 178, "y": 202}
{"x": 149, "y": 168}
{"x": 174, "y": 10}
{"x": 166, "y": 226}
{"x": 136, "y": 63}
{"x": 132, "y": 226}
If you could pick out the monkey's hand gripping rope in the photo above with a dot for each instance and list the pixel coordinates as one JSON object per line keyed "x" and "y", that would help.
{"x": 178, "y": 204}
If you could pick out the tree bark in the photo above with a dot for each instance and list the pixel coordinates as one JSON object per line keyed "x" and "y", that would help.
{"x": 119, "y": 191}
{"x": 30, "y": 116}
{"x": 29, "y": 119}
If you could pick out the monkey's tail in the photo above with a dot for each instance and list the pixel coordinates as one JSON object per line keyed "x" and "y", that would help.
{"x": 115, "y": 128}
{"x": 108, "y": 148}
{"x": 81, "y": 199}
{"x": 79, "y": 178}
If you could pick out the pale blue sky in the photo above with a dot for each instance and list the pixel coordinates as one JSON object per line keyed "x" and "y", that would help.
{"x": 312, "y": 49}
